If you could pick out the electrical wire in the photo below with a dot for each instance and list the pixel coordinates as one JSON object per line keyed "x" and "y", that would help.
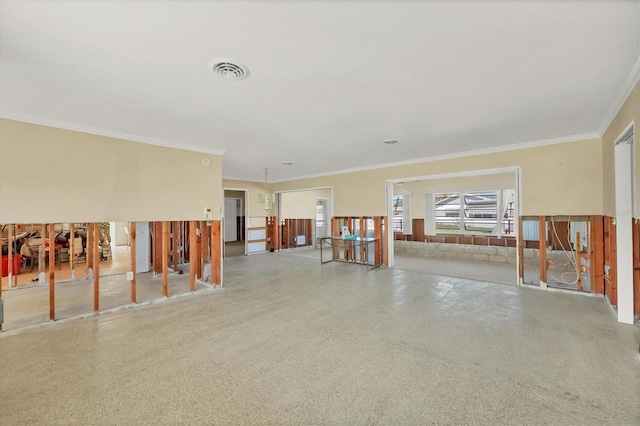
{"x": 572, "y": 260}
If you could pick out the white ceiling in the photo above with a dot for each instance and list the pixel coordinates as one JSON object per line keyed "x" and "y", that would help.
{"x": 329, "y": 80}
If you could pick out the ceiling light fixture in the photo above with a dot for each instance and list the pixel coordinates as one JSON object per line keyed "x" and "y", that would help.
{"x": 266, "y": 198}
{"x": 229, "y": 69}
{"x": 390, "y": 141}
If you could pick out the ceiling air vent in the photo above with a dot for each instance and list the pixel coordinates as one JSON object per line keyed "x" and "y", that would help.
{"x": 229, "y": 69}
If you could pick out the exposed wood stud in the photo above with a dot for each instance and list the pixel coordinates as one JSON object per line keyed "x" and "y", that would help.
{"x": 199, "y": 250}
{"x": 192, "y": 255}
{"x": 52, "y": 272}
{"x": 294, "y": 237}
{"x": 89, "y": 247}
{"x": 597, "y": 254}
{"x": 363, "y": 233}
{"x": 96, "y": 267}
{"x": 1, "y": 273}
{"x": 520, "y": 245}
{"x": 157, "y": 247}
{"x": 636, "y": 266}
{"x": 10, "y": 245}
{"x": 165, "y": 258}
{"x": 542, "y": 241}
{"x": 132, "y": 236}
{"x": 72, "y": 249}
{"x": 377, "y": 233}
{"x": 578, "y": 249}
{"x": 215, "y": 253}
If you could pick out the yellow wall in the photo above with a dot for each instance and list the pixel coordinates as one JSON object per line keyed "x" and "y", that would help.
{"x": 301, "y": 204}
{"x": 559, "y": 179}
{"x": 254, "y": 189}
{"x": 54, "y": 175}
{"x": 630, "y": 111}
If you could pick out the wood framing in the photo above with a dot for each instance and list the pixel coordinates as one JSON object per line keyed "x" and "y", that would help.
{"x": 1, "y": 273}
{"x": 215, "y": 253}
{"x": 52, "y": 272}
{"x": 363, "y": 233}
{"x": 192, "y": 255}
{"x": 377, "y": 233}
{"x": 165, "y": 258}
{"x": 597, "y": 254}
{"x": 96, "y": 266}
{"x": 132, "y": 236}
{"x": 636, "y": 267}
{"x": 10, "y": 246}
{"x": 157, "y": 247}
{"x": 89, "y": 254}
{"x": 610, "y": 260}
{"x": 520, "y": 255}
{"x": 542, "y": 241}
{"x": 199, "y": 250}
{"x": 72, "y": 249}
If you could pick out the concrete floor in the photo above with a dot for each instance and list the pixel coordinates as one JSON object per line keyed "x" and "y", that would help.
{"x": 290, "y": 341}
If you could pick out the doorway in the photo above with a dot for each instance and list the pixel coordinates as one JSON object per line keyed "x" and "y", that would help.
{"x": 624, "y": 191}
{"x": 460, "y": 224}
{"x": 235, "y": 203}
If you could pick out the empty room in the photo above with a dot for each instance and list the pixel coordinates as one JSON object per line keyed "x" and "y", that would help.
{"x": 357, "y": 212}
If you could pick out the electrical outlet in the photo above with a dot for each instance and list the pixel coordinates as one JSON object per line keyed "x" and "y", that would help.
{"x": 129, "y": 276}
{"x": 607, "y": 270}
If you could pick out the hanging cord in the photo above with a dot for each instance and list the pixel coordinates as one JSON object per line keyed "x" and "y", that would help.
{"x": 572, "y": 260}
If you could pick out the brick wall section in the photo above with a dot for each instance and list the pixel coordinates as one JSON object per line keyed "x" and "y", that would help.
{"x": 473, "y": 252}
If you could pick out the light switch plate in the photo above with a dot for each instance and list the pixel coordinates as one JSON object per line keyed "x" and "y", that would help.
{"x": 129, "y": 276}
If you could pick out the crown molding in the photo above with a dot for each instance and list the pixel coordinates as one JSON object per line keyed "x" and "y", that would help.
{"x": 483, "y": 151}
{"x": 93, "y": 130}
{"x": 624, "y": 89}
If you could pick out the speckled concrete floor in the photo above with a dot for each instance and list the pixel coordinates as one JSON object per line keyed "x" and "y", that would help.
{"x": 290, "y": 341}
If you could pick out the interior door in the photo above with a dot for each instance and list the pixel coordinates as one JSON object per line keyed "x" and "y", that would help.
{"x": 230, "y": 220}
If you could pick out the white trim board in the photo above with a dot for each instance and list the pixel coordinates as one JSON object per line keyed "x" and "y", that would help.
{"x": 483, "y": 151}
{"x": 99, "y": 131}
{"x": 624, "y": 89}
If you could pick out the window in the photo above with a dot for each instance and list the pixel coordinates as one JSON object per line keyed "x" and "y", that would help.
{"x": 402, "y": 214}
{"x": 475, "y": 213}
{"x": 397, "y": 213}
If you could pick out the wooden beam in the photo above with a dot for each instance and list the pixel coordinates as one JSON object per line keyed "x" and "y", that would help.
{"x": 96, "y": 267}
{"x": 613, "y": 297}
{"x": 363, "y": 233}
{"x": 198, "y": 248}
{"x": 377, "y": 233}
{"x": 165, "y": 258}
{"x": 1, "y": 271}
{"x": 636, "y": 266}
{"x": 72, "y": 249}
{"x": 579, "y": 260}
{"x": 597, "y": 254}
{"x": 52, "y": 272}
{"x": 132, "y": 247}
{"x": 157, "y": 247}
{"x": 610, "y": 257}
{"x": 41, "y": 252}
{"x": 192, "y": 255}
{"x": 520, "y": 245}
{"x": 89, "y": 249}
{"x": 215, "y": 253}
{"x": 308, "y": 233}
{"x": 542, "y": 243}
{"x": 10, "y": 244}
{"x": 295, "y": 232}
{"x": 175, "y": 245}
